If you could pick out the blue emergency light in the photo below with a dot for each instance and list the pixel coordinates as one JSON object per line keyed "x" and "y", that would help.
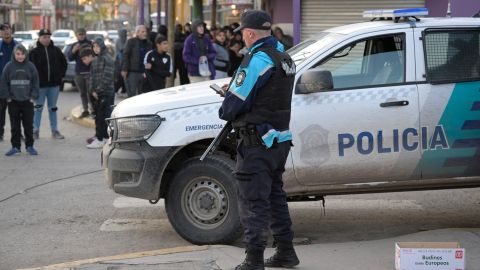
{"x": 395, "y": 13}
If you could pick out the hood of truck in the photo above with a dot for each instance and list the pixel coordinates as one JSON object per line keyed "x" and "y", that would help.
{"x": 177, "y": 97}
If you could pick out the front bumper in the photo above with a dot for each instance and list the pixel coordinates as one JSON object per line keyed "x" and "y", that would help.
{"x": 134, "y": 169}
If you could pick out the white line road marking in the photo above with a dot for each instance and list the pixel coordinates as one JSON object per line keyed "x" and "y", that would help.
{"x": 120, "y": 225}
{"x": 126, "y": 202}
{"x": 358, "y": 204}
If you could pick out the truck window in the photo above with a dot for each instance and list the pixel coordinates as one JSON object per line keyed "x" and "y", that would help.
{"x": 452, "y": 55}
{"x": 371, "y": 62}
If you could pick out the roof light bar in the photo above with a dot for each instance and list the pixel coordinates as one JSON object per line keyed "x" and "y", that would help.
{"x": 395, "y": 13}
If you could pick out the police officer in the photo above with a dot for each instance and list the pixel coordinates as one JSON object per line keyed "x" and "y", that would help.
{"x": 258, "y": 104}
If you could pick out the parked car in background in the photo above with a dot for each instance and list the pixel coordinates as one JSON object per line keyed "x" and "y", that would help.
{"x": 70, "y": 74}
{"x": 62, "y": 36}
{"x": 113, "y": 35}
{"x": 28, "y": 38}
{"x": 92, "y": 35}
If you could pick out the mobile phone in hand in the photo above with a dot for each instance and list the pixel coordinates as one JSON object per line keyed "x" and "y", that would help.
{"x": 218, "y": 89}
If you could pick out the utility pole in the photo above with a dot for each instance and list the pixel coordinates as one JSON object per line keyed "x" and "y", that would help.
{"x": 141, "y": 12}
{"x": 214, "y": 13}
{"x": 171, "y": 36}
{"x": 159, "y": 11}
{"x": 22, "y": 16}
{"x": 197, "y": 10}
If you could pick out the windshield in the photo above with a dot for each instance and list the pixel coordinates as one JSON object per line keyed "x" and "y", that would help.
{"x": 305, "y": 49}
{"x": 23, "y": 36}
{"x": 60, "y": 34}
{"x": 94, "y": 36}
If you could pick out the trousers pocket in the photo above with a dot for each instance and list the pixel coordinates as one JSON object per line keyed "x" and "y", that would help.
{"x": 247, "y": 186}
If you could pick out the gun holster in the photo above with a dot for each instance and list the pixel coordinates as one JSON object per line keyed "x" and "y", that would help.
{"x": 249, "y": 135}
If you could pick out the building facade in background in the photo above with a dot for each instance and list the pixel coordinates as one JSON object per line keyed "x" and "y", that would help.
{"x": 307, "y": 17}
{"x": 298, "y": 18}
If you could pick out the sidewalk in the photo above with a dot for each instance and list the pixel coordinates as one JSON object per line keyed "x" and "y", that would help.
{"x": 371, "y": 255}
{"x": 85, "y": 121}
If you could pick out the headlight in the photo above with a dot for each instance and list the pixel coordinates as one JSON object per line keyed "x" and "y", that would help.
{"x": 135, "y": 128}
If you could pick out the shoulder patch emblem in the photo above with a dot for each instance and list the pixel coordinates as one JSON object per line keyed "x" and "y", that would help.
{"x": 240, "y": 78}
{"x": 289, "y": 67}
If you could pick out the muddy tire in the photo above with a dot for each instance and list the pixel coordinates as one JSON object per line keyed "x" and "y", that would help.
{"x": 201, "y": 203}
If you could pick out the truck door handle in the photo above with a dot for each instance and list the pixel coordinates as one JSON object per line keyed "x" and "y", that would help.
{"x": 394, "y": 103}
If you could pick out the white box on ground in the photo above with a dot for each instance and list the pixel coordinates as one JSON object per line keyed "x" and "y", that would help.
{"x": 429, "y": 256}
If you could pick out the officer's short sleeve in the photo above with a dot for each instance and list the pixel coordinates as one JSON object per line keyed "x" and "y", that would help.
{"x": 246, "y": 78}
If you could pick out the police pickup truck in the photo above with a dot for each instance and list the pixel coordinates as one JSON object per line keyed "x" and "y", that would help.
{"x": 380, "y": 106}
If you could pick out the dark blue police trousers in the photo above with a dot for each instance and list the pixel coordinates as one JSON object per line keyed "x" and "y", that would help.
{"x": 261, "y": 199}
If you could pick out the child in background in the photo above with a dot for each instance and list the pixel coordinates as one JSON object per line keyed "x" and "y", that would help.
{"x": 158, "y": 65}
{"x": 86, "y": 56}
{"x": 102, "y": 90}
{"x": 20, "y": 85}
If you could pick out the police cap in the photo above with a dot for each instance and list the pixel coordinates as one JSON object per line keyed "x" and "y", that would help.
{"x": 255, "y": 19}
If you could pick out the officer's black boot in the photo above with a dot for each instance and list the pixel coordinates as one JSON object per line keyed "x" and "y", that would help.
{"x": 284, "y": 256}
{"x": 253, "y": 261}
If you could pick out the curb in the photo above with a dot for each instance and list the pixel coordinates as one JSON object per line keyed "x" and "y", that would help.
{"x": 165, "y": 251}
{"x": 85, "y": 121}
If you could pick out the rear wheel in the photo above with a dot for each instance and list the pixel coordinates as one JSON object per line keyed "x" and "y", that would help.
{"x": 202, "y": 202}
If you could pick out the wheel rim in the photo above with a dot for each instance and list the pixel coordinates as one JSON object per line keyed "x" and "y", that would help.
{"x": 205, "y": 202}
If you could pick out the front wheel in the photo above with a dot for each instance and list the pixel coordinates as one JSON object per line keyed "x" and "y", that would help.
{"x": 202, "y": 202}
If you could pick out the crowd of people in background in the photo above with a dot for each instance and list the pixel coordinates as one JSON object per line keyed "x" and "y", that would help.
{"x": 28, "y": 79}
{"x": 140, "y": 64}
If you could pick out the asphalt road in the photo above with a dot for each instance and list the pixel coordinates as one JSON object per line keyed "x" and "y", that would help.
{"x": 55, "y": 207}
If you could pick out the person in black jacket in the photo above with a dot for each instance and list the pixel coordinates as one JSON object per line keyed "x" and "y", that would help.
{"x": 119, "y": 45}
{"x": 82, "y": 72}
{"x": 235, "y": 56}
{"x": 158, "y": 65}
{"x": 51, "y": 66}
{"x": 178, "y": 59}
{"x": 132, "y": 65}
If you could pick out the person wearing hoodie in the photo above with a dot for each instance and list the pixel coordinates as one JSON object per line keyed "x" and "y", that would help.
{"x": 119, "y": 45}
{"x": 197, "y": 51}
{"x": 132, "y": 64}
{"x": 222, "y": 59}
{"x": 101, "y": 86}
{"x": 7, "y": 43}
{"x": 51, "y": 66}
{"x": 19, "y": 84}
{"x": 81, "y": 71}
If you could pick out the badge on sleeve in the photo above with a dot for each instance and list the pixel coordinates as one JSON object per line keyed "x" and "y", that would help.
{"x": 289, "y": 67}
{"x": 240, "y": 78}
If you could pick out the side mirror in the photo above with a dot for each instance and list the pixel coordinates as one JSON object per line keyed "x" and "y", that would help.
{"x": 314, "y": 80}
